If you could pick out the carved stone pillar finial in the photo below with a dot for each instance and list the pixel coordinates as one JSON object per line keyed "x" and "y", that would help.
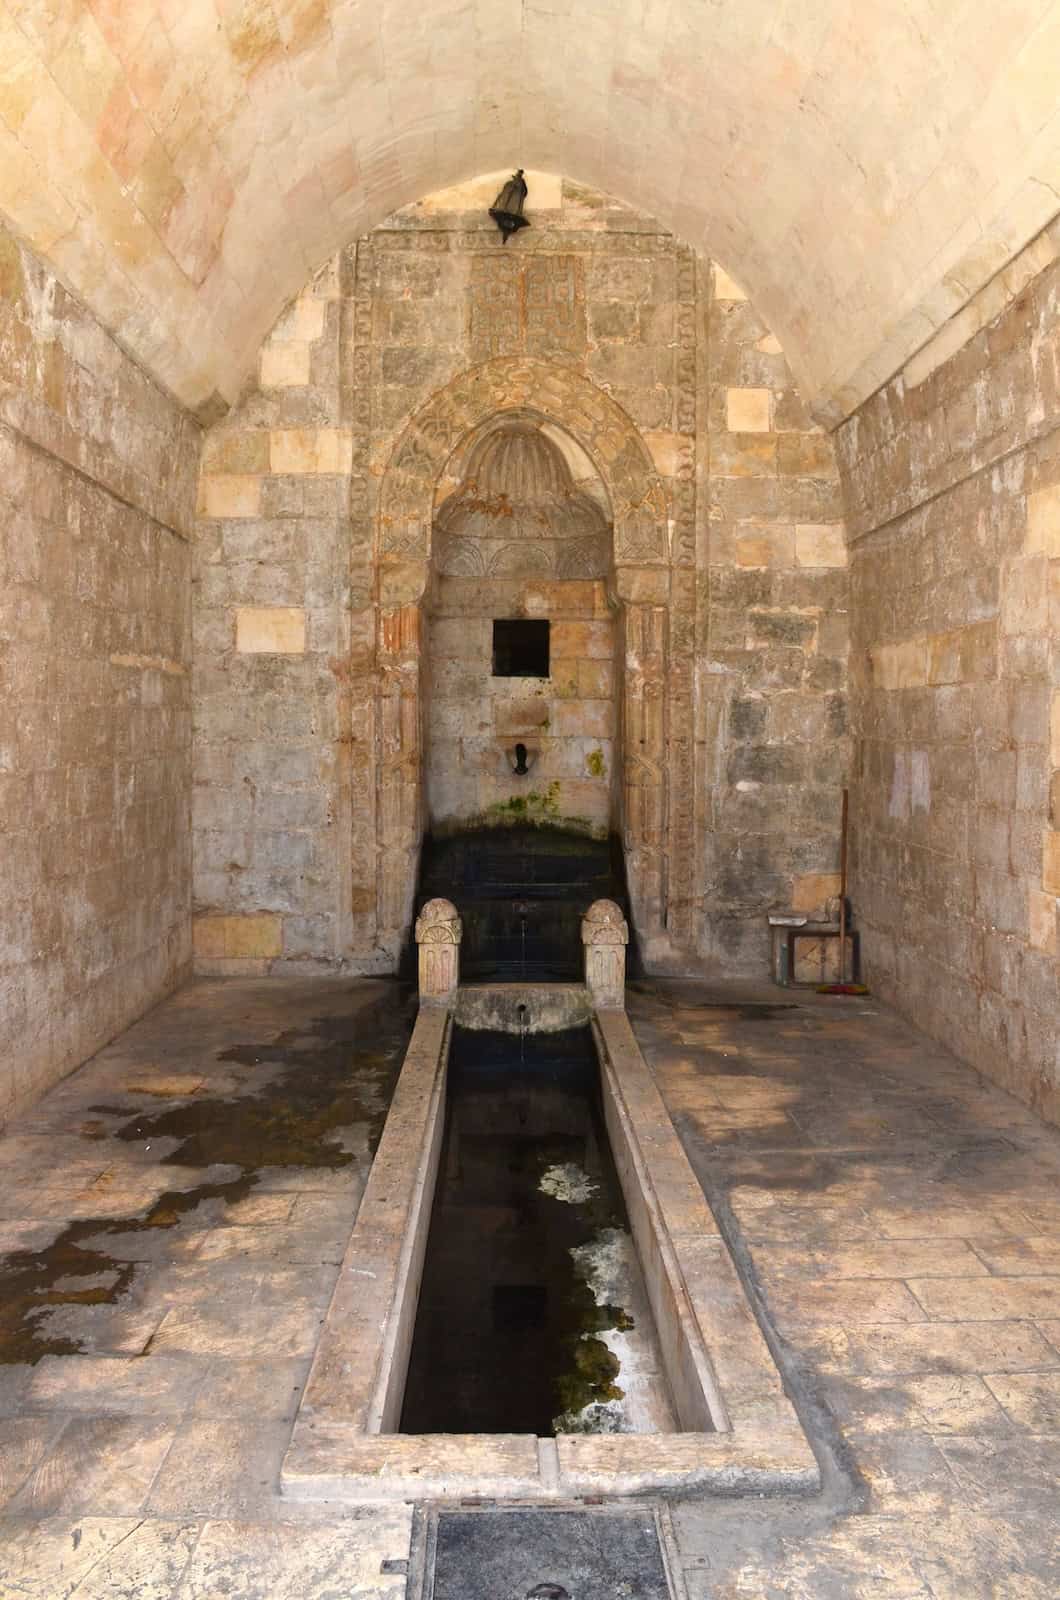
{"x": 438, "y": 934}
{"x": 605, "y": 935}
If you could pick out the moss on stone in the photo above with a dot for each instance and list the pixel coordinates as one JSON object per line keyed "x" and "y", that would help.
{"x": 592, "y": 1377}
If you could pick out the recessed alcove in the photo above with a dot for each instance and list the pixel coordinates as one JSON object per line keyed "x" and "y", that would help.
{"x": 521, "y": 638}
{"x": 521, "y": 647}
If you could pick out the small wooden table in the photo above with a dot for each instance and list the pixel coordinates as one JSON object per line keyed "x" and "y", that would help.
{"x": 783, "y": 932}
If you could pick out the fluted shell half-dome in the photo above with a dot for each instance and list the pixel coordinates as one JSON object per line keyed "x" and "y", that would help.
{"x": 516, "y": 500}
{"x": 520, "y": 463}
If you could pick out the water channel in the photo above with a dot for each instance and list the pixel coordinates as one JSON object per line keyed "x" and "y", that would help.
{"x": 533, "y": 1317}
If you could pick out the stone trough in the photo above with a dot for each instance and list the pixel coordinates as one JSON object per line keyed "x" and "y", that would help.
{"x": 737, "y": 1430}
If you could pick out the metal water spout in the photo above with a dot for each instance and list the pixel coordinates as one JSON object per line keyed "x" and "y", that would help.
{"x": 521, "y": 760}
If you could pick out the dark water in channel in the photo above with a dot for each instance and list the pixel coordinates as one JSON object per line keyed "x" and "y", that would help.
{"x": 506, "y": 1336}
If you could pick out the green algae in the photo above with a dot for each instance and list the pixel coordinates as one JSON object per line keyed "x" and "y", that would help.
{"x": 531, "y": 807}
{"x": 591, "y": 1368}
{"x": 591, "y": 1380}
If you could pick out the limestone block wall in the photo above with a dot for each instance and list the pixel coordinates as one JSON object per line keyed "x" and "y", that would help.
{"x": 730, "y": 586}
{"x": 953, "y": 491}
{"x": 274, "y": 659}
{"x": 772, "y": 641}
{"x": 567, "y": 720}
{"x": 97, "y": 496}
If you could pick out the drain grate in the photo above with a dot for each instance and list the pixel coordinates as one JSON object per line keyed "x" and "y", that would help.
{"x": 548, "y": 1555}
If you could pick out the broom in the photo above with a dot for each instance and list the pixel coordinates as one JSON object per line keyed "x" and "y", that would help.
{"x": 842, "y": 987}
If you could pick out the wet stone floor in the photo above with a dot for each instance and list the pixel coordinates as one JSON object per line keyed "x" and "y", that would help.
{"x": 172, "y": 1217}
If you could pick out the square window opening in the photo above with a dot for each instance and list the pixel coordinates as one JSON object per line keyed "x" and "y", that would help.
{"x": 520, "y": 648}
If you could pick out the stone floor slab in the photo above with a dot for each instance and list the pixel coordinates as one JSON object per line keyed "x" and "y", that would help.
{"x": 290, "y": 1561}
{"x": 894, "y": 1159}
{"x": 98, "y": 1466}
{"x": 227, "y": 1466}
{"x": 1032, "y": 1399}
{"x": 146, "y": 1385}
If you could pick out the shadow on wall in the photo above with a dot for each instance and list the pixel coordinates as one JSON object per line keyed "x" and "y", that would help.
{"x": 521, "y": 892}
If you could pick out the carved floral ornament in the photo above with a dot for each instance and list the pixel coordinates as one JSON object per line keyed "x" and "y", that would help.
{"x": 517, "y": 512}
{"x": 604, "y": 923}
{"x": 439, "y": 923}
{"x": 519, "y": 384}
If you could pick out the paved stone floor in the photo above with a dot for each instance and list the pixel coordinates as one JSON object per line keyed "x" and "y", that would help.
{"x": 172, "y": 1217}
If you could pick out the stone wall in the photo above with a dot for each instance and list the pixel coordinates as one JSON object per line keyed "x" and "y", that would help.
{"x": 97, "y": 496}
{"x": 953, "y": 493}
{"x": 278, "y": 683}
{"x": 567, "y": 720}
{"x": 772, "y": 642}
{"x": 729, "y": 584}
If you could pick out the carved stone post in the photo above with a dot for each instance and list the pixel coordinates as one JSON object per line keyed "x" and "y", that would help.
{"x": 644, "y": 771}
{"x": 605, "y": 935}
{"x": 438, "y": 934}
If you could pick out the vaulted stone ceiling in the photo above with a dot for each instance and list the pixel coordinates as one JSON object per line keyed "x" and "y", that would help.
{"x": 862, "y": 166}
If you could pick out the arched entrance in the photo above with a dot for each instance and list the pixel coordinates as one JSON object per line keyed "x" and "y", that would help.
{"x": 655, "y": 650}
{"x": 521, "y": 638}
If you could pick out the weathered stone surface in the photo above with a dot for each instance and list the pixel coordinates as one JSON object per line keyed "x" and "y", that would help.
{"x": 605, "y": 935}
{"x": 97, "y": 500}
{"x": 849, "y": 1147}
{"x": 952, "y": 481}
{"x": 674, "y": 412}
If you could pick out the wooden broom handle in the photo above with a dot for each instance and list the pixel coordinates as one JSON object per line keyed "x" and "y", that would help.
{"x": 843, "y": 891}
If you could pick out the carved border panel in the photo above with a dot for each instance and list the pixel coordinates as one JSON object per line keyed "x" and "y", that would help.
{"x": 534, "y": 307}
{"x": 404, "y": 551}
{"x": 680, "y": 907}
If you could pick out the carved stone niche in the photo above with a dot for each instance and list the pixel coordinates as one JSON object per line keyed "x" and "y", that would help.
{"x": 605, "y": 935}
{"x": 438, "y": 934}
{"x": 518, "y": 513}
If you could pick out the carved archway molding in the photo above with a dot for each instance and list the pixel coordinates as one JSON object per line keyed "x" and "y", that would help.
{"x": 515, "y": 384}
{"x": 655, "y": 668}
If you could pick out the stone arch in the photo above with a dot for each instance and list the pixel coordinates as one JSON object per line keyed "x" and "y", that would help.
{"x": 556, "y": 393}
{"x": 652, "y": 649}
{"x": 569, "y": 533}
{"x": 580, "y": 464}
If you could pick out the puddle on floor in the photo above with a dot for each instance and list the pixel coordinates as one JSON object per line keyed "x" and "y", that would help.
{"x": 318, "y": 1098}
{"x": 533, "y": 1317}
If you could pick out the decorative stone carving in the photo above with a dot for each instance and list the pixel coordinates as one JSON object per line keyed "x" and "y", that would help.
{"x": 521, "y": 561}
{"x": 531, "y": 390}
{"x": 526, "y": 303}
{"x": 517, "y": 513}
{"x": 584, "y": 558}
{"x": 645, "y": 686}
{"x": 517, "y": 486}
{"x": 605, "y": 935}
{"x": 438, "y": 934}
{"x": 507, "y": 384}
{"x": 460, "y": 558}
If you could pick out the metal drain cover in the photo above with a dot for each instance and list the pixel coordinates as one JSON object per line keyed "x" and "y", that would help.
{"x": 548, "y": 1555}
